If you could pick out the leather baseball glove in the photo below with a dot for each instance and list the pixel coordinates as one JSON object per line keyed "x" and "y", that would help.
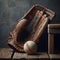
{"x": 30, "y": 27}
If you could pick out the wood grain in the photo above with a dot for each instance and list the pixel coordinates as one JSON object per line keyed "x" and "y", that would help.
{"x": 52, "y": 29}
{"x": 5, "y": 53}
{"x": 50, "y": 43}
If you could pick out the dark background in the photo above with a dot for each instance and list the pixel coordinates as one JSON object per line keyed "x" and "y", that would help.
{"x": 12, "y": 10}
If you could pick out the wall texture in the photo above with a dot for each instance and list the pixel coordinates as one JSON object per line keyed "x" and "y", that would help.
{"x": 12, "y": 10}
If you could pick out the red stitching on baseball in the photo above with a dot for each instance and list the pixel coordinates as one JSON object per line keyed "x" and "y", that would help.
{"x": 29, "y": 48}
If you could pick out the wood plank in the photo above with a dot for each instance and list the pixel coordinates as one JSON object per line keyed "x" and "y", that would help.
{"x": 50, "y": 43}
{"x": 31, "y": 57}
{"x": 5, "y": 53}
{"x": 54, "y": 56}
{"x": 54, "y": 30}
{"x": 53, "y": 25}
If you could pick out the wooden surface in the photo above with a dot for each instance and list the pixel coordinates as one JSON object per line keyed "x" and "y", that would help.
{"x": 50, "y": 43}
{"x": 54, "y": 56}
{"x": 54, "y": 26}
{"x": 26, "y": 56}
{"x": 5, "y": 53}
{"x": 52, "y": 29}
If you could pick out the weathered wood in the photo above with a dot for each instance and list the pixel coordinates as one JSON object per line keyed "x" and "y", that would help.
{"x": 52, "y": 29}
{"x": 5, "y": 53}
{"x": 50, "y": 43}
{"x": 54, "y": 56}
{"x": 54, "y": 26}
{"x": 30, "y": 57}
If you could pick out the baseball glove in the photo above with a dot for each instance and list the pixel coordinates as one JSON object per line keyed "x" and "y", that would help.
{"x": 30, "y": 27}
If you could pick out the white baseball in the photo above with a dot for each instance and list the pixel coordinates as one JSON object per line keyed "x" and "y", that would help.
{"x": 30, "y": 47}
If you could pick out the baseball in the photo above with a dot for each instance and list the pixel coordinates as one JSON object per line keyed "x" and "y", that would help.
{"x": 30, "y": 47}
